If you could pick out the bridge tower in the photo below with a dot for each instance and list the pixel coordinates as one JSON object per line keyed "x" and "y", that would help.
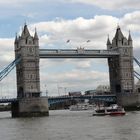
{"x": 121, "y": 68}
{"x": 28, "y": 80}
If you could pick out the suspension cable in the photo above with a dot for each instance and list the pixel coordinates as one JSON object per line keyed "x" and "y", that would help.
{"x": 136, "y": 60}
{"x": 9, "y": 68}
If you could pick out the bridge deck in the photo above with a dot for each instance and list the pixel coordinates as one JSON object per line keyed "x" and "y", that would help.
{"x": 62, "y": 98}
{"x": 76, "y": 53}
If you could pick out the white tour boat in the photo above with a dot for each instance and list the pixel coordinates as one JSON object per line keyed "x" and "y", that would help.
{"x": 113, "y": 110}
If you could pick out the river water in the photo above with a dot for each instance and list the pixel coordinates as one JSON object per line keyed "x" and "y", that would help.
{"x": 70, "y": 125}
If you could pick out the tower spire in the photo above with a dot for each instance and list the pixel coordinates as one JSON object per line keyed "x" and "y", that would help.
{"x": 109, "y": 45}
{"x": 119, "y": 35}
{"x": 129, "y": 37}
{"x": 108, "y": 41}
{"x": 16, "y": 39}
{"x": 25, "y": 31}
{"x": 35, "y": 35}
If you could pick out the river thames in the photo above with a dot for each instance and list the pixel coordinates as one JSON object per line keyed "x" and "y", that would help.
{"x": 70, "y": 125}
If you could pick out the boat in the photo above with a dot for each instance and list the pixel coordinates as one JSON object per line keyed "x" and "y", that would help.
{"x": 100, "y": 111}
{"x": 118, "y": 112}
{"x": 113, "y": 110}
{"x": 81, "y": 106}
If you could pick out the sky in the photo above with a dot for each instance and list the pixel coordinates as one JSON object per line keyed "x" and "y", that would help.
{"x": 56, "y": 22}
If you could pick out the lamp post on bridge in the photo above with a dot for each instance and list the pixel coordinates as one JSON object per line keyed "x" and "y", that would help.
{"x": 46, "y": 90}
{"x": 65, "y": 89}
{"x": 58, "y": 89}
{"x": 61, "y": 87}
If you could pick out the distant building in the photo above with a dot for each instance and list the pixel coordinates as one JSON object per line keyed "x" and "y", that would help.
{"x": 75, "y": 93}
{"x": 100, "y": 90}
{"x": 103, "y": 89}
{"x": 90, "y": 92}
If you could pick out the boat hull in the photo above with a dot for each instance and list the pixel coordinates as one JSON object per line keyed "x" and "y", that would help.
{"x": 117, "y": 113}
{"x": 100, "y": 114}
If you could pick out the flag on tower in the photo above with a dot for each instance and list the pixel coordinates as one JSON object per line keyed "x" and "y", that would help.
{"x": 88, "y": 41}
{"x": 68, "y": 41}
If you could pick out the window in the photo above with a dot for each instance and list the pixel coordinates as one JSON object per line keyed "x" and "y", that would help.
{"x": 118, "y": 88}
{"x": 30, "y": 42}
{"x": 31, "y": 86}
{"x": 31, "y": 50}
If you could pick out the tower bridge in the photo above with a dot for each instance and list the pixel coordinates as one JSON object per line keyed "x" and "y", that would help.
{"x": 119, "y": 53}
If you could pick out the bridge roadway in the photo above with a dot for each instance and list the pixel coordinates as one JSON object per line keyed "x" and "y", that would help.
{"x": 58, "y": 99}
{"x": 76, "y": 53}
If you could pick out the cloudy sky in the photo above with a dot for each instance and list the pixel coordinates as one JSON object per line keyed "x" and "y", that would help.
{"x": 56, "y": 22}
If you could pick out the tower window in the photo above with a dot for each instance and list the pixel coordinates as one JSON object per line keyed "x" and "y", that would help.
{"x": 118, "y": 88}
{"x": 30, "y": 42}
{"x": 31, "y": 50}
{"x": 31, "y": 87}
{"x": 26, "y": 41}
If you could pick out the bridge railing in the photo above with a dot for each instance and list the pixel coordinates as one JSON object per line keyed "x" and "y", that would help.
{"x": 65, "y": 53}
{"x": 64, "y": 98}
{"x": 76, "y": 51}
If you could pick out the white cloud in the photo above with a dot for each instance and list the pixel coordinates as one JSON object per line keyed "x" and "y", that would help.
{"x": 84, "y": 64}
{"x": 104, "y": 4}
{"x": 131, "y": 21}
{"x": 78, "y": 30}
{"x": 7, "y": 49}
{"x": 7, "y": 85}
{"x": 76, "y": 63}
{"x": 17, "y": 2}
{"x": 110, "y": 4}
{"x": 75, "y": 80}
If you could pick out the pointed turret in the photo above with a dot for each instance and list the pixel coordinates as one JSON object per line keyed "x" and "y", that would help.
{"x": 36, "y": 39}
{"x": 108, "y": 41}
{"x": 25, "y": 32}
{"x": 109, "y": 45}
{"x": 129, "y": 39}
{"x": 16, "y": 39}
{"x": 35, "y": 35}
{"x": 118, "y": 36}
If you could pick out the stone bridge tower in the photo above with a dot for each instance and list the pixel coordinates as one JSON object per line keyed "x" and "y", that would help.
{"x": 28, "y": 80}
{"x": 121, "y": 68}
